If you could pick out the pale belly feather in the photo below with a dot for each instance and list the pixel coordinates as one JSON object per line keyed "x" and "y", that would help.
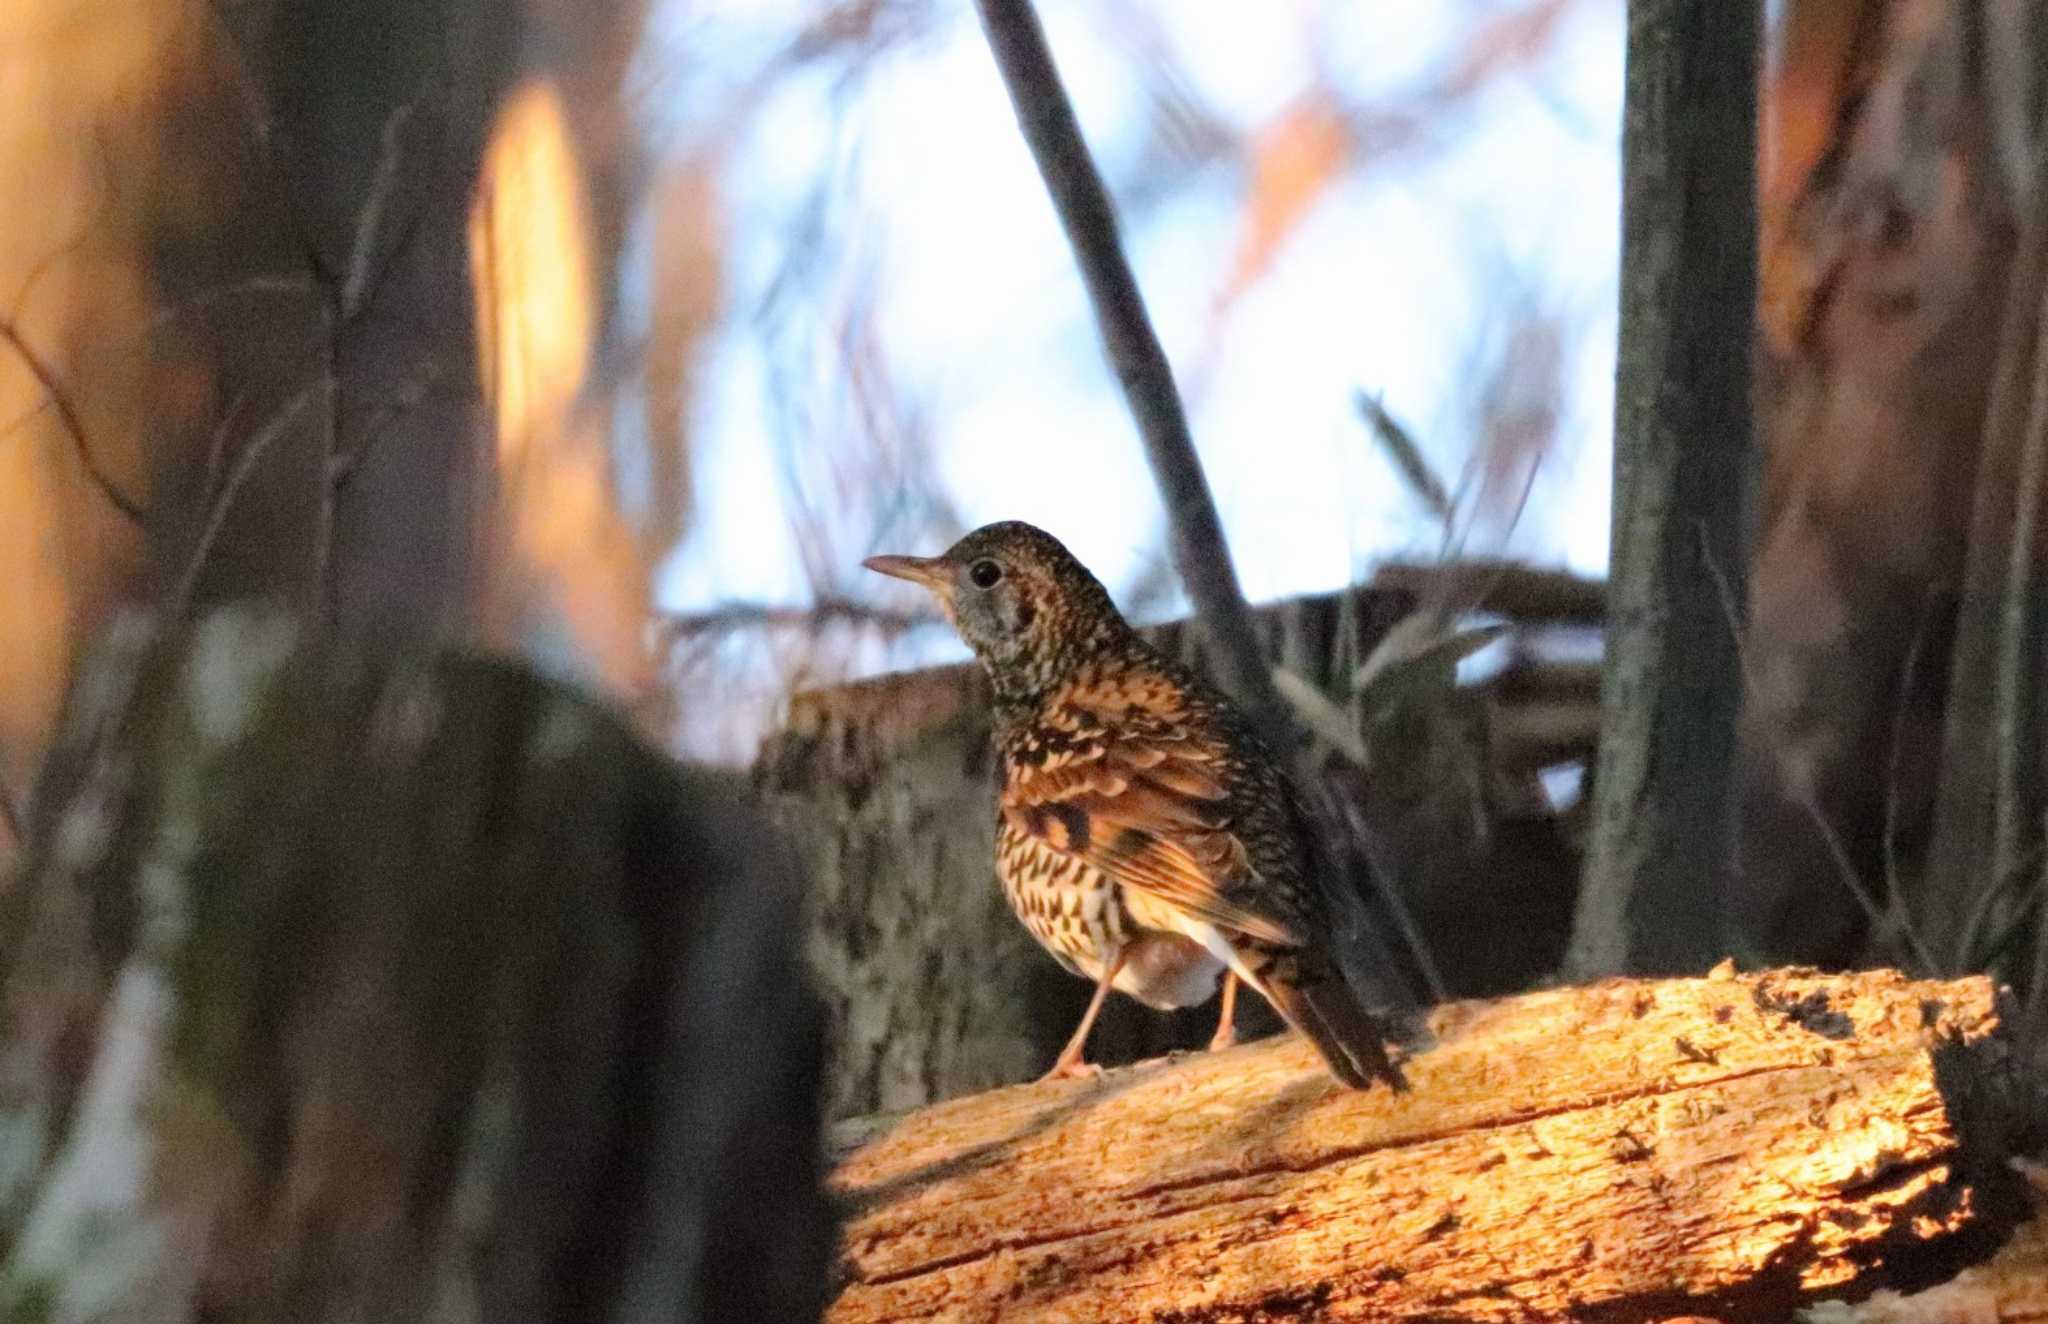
{"x": 1082, "y": 917}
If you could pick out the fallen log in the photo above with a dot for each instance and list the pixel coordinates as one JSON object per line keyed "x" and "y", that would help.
{"x": 1731, "y": 1146}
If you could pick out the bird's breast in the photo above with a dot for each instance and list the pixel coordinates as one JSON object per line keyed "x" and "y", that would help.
{"x": 1083, "y": 917}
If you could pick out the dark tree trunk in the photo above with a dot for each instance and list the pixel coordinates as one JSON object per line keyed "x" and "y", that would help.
{"x": 346, "y": 461}
{"x": 1681, "y": 488}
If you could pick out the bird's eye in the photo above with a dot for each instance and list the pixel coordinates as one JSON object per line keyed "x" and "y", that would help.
{"x": 985, "y": 574}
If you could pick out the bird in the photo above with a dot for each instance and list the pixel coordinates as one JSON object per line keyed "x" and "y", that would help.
{"x": 1145, "y": 834}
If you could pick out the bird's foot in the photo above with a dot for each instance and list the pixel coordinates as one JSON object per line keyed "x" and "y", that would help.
{"x": 1072, "y": 1069}
{"x": 1222, "y": 1039}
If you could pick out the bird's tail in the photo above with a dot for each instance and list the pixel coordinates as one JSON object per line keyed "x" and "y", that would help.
{"x": 1351, "y": 1040}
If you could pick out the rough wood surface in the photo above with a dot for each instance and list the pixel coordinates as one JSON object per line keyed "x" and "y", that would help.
{"x": 1731, "y": 1146}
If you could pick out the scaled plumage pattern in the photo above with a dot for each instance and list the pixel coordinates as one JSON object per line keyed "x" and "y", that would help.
{"x": 1145, "y": 835}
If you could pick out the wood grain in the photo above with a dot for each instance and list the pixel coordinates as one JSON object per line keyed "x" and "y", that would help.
{"x": 1728, "y": 1145}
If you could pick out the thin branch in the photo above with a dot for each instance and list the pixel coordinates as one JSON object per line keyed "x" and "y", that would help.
{"x": 1400, "y": 447}
{"x": 1531, "y": 595}
{"x": 24, "y": 418}
{"x": 1382, "y": 877}
{"x": 11, "y": 816}
{"x": 217, "y": 440}
{"x": 1323, "y": 718}
{"x": 1199, "y": 550}
{"x": 1881, "y": 922}
{"x": 202, "y": 300}
{"x": 230, "y": 488}
{"x": 46, "y": 377}
{"x": 48, "y": 261}
{"x": 730, "y": 616}
{"x": 369, "y": 219}
{"x": 1909, "y": 672}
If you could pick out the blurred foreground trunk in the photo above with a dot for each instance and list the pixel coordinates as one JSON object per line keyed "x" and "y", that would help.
{"x": 306, "y": 301}
{"x": 1890, "y": 777}
{"x": 1733, "y": 1146}
{"x": 417, "y": 992}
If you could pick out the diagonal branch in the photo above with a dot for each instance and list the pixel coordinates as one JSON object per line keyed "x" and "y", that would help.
{"x": 11, "y": 816}
{"x": 359, "y": 280}
{"x": 46, "y": 377}
{"x": 230, "y": 488}
{"x": 731, "y": 616}
{"x": 1199, "y": 551}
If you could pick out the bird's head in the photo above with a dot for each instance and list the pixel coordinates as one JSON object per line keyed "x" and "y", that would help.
{"x": 1027, "y": 608}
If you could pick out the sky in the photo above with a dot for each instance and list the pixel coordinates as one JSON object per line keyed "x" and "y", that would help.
{"x": 1396, "y": 283}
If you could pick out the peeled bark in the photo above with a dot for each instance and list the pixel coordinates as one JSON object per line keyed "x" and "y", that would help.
{"x": 1733, "y": 1146}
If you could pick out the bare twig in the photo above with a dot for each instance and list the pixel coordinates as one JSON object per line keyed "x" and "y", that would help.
{"x": 1199, "y": 550}
{"x": 1532, "y": 596}
{"x": 2016, "y": 675}
{"x": 217, "y": 440}
{"x": 24, "y": 418}
{"x": 1881, "y": 922}
{"x": 356, "y": 281}
{"x": 224, "y": 499}
{"x": 202, "y": 300}
{"x": 730, "y": 616}
{"x": 1323, "y": 718}
{"x": 1397, "y": 906}
{"x": 46, "y": 377}
{"x": 48, "y": 261}
{"x": 1400, "y": 447}
{"x": 1895, "y": 891}
{"x": 1979, "y": 945}
{"x": 11, "y": 816}
{"x": 422, "y": 382}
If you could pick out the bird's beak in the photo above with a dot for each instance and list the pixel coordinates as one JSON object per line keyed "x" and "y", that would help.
{"x": 930, "y": 571}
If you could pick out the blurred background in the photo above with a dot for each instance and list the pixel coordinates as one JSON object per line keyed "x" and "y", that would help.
{"x": 773, "y": 287}
{"x": 1320, "y": 201}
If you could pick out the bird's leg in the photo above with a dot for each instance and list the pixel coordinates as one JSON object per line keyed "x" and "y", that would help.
{"x": 1226, "y": 1020}
{"x": 1070, "y": 1062}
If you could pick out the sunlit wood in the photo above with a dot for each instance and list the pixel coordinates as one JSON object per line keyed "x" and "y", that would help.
{"x": 1632, "y": 1150}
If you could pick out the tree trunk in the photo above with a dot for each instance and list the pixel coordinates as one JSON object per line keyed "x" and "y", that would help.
{"x": 1908, "y": 132}
{"x": 1681, "y": 477}
{"x": 412, "y": 993}
{"x": 253, "y": 369}
{"x": 327, "y": 269}
{"x": 1627, "y": 1151}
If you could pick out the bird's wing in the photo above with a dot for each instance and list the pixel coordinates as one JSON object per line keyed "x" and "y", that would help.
{"x": 1146, "y": 801}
